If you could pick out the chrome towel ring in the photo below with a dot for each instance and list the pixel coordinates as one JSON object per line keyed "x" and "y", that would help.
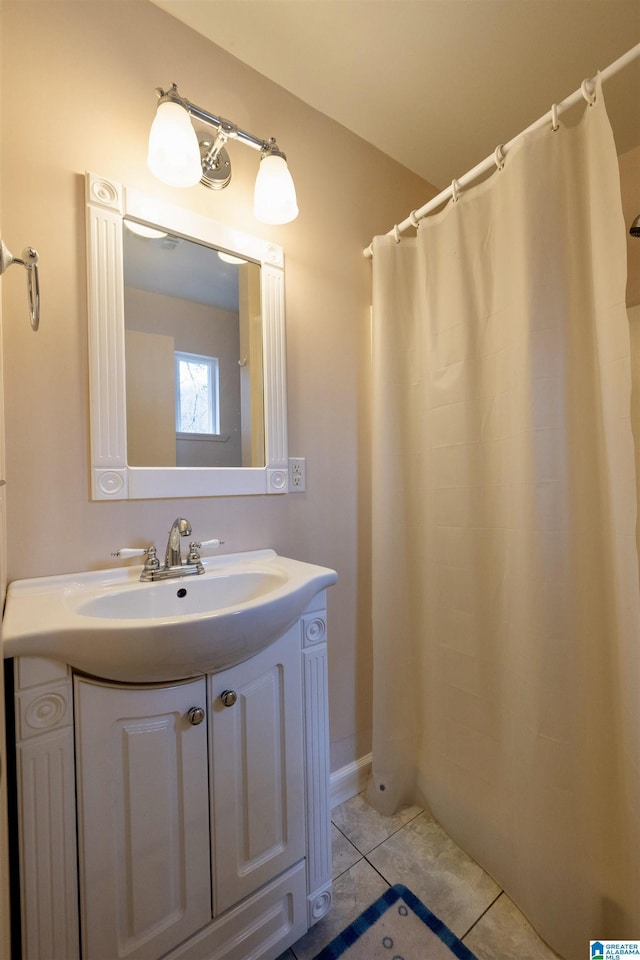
{"x": 29, "y": 261}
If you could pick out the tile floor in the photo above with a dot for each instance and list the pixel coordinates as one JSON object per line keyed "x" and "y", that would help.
{"x": 372, "y": 852}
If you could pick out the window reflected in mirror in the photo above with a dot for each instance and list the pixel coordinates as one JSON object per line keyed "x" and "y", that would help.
{"x": 193, "y": 353}
{"x": 197, "y": 394}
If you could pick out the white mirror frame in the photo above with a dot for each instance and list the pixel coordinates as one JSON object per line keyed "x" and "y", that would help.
{"x": 111, "y": 476}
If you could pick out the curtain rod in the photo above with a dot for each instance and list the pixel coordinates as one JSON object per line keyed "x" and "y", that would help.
{"x": 497, "y": 158}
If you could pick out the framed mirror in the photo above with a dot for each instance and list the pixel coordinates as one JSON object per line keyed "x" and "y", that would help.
{"x": 186, "y": 352}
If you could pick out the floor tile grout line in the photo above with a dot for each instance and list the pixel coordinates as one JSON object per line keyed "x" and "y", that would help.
{"x": 393, "y": 834}
{"x": 381, "y": 875}
{"x": 334, "y": 824}
{"x": 350, "y": 867}
{"x": 378, "y": 845}
{"x": 484, "y": 912}
{"x": 361, "y": 856}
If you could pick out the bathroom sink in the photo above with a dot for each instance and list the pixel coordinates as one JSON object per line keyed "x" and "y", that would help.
{"x": 110, "y": 624}
{"x": 180, "y": 598}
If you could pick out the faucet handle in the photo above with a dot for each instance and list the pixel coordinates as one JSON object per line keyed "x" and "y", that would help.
{"x": 195, "y": 547}
{"x": 151, "y": 563}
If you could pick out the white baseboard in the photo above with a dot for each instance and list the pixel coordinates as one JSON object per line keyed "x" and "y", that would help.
{"x": 349, "y": 780}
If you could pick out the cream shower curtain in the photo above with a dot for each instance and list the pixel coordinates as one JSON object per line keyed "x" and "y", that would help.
{"x": 506, "y": 609}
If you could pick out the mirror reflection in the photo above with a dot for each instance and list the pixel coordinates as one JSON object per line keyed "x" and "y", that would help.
{"x": 193, "y": 353}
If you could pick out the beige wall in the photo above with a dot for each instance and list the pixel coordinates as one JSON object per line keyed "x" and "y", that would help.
{"x": 79, "y": 81}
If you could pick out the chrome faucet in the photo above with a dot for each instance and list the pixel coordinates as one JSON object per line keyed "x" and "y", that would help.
{"x": 179, "y": 528}
{"x": 174, "y": 564}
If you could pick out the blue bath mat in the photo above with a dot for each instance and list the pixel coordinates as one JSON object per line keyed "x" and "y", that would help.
{"x": 397, "y": 926}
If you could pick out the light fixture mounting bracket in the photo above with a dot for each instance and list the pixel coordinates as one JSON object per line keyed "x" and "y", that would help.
{"x": 216, "y": 167}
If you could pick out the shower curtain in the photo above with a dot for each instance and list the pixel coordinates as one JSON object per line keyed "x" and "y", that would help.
{"x": 506, "y": 611}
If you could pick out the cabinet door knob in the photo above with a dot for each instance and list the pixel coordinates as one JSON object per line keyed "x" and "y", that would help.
{"x": 228, "y": 697}
{"x": 195, "y": 715}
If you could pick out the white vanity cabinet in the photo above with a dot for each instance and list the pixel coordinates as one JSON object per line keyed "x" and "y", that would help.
{"x": 200, "y": 807}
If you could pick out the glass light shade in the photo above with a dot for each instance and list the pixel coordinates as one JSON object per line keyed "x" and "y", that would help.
{"x": 274, "y": 199}
{"x": 174, "y": 153}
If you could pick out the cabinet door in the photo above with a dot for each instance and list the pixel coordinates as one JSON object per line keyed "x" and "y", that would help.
{"x": 258, "y": 773}
{"x": 143, "y": 818}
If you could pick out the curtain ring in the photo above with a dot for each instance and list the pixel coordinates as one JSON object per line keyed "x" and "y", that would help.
{"x": 415, "y": 222}
{"x": 499, "y": 156}
{"x": 396, "y": 233}
{"x": 455, "y": 190}
{"x": 554, "y": 117}
{"x": 588, "y": 92}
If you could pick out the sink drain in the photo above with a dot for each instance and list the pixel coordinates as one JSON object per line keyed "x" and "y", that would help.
{"x": 182, "y": 592}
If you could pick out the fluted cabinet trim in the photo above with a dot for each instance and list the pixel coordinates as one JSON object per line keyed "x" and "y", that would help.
{"x": 317, "y": 760}
{"x": 47, "y": 825}
{"x": 48, "y": 848}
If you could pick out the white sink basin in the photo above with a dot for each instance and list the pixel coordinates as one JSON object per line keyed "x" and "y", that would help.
{"x": 179, "y": 598}
{"x": 109, "y": 624}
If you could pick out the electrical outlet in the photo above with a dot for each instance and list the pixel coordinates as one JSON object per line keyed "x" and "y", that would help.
{"x": 297, "y": 474}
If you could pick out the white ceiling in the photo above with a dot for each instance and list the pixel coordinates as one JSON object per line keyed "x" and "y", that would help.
{"x": 436, "y": 84}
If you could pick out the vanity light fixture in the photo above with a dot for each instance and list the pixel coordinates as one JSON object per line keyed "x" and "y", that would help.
{"x": 179, "y": 158}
